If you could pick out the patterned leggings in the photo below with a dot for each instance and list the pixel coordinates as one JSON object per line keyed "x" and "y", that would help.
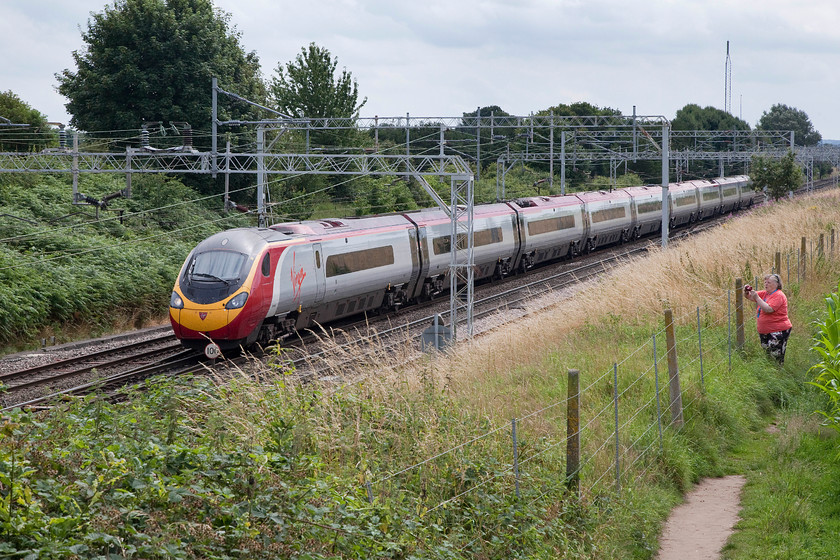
{"x": 775, "y": 343}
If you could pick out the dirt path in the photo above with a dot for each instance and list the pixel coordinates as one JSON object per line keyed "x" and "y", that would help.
{"x": 698, "y": 529}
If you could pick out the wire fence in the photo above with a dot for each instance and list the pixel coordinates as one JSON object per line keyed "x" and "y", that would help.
{"x": 664, "y": 378}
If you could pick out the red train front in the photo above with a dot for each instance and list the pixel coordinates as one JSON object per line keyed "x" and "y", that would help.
{"x": 224, "y": 289}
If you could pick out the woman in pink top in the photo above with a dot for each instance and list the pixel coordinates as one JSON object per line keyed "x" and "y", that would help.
{"x": 773, "y": 323}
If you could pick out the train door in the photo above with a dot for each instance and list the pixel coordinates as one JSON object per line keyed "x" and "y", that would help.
{"x": 320, "y": 278}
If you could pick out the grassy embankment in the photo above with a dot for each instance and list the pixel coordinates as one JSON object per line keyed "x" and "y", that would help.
{"x": 274, "y": 469}
{"x": 66, "y": 274}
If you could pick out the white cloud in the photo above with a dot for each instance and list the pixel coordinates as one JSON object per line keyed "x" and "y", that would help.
{"x": 444, "y": 57}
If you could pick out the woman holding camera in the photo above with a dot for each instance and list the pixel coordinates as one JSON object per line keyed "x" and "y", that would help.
{"x": 773, "y": 323}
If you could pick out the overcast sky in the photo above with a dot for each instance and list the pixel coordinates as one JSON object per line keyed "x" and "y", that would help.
{"x": 434, "y": 58}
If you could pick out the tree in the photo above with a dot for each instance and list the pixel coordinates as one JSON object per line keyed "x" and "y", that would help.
{"x": 309, "y": 87}
{"x": 580, "y": 172}
{"x": 153, "y": 61}
{"x": 779, "y": 177}
{"x": 693, "y": 117}
{"x": 782, "y": 117}
{"x": 34, "y": 137}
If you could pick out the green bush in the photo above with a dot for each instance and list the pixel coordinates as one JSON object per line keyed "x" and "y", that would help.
{"x": 826, "y": 344}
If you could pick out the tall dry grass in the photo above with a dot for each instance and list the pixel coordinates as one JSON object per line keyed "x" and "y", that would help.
{"x": 696, "y": 272}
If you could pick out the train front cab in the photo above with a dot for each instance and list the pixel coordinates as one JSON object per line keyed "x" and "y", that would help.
{"x": 223, "y": 290}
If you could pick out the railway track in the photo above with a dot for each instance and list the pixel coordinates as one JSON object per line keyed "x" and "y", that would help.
{"x": 95, "y": 369}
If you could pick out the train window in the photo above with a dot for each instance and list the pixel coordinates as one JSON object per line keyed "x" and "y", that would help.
{"x": 442, "y": 244}
{"x": 711, "y": 195}
{"x": 730, "y": 191}
{"x": 317, "y": 259}
{"x": 551, "y": 224}
{"x": 356, "y": 261}
{"x": 652, "y": 206}
{"x": 266, "y": 265}
{"x": 686, "y": 200}
{"x": 609, "y": 214}
{"x": 225, "y": 265}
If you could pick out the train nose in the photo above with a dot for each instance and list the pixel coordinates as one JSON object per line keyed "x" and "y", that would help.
{"x": 204, "y": 320}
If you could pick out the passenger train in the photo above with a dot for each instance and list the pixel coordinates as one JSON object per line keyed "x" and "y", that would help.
{"x": 253, "y": 285}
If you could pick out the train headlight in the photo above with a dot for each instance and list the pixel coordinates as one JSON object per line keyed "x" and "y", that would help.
{"x": 237, "y": 301}
{"x": 175, "y": 301}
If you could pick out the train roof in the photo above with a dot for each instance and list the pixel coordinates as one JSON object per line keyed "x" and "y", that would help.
{"x": 243, "y": 240}
{"x": 333, "y": 226}
{"x": 596, "y": 196}
{"x": 642, "y": 190}
{"x": 427, "y": 215}
{"x": 554, "y": 201}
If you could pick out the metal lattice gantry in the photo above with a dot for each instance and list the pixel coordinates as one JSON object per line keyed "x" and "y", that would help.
{"x": 444, "y": 146}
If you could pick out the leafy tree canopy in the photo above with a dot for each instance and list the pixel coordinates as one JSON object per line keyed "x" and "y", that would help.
{"x": 782, "y": 117}
{"x": 486, "y": 112}
{"x": 779, "y": 176}
{"x": 21, "y": 139}
{"x": 153, "y": 61}
{"x": 579, "y": 109}
{"x": 693, "y": 117}
{"x": 310, "y": 87}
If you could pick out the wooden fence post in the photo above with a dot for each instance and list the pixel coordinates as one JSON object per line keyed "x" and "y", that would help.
{"x": 777, "y": 264}
{"x": 739, "y": 314}
{"x": 573, "y": 433}
{"x": 803, "y": 256}
{"x": 673, "y": 371}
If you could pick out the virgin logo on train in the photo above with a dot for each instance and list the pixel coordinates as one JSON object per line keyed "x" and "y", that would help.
{"x": 297, "y": 279}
